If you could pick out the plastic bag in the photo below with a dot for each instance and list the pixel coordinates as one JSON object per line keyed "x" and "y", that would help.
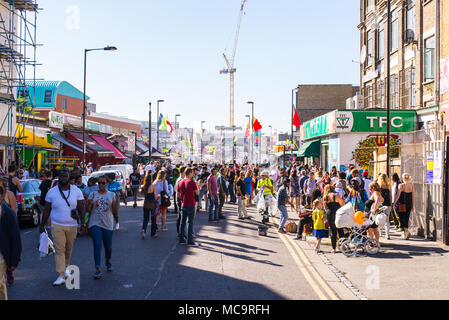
{"x": 46, "y": 246}
{"x": 344, "y": 217}
{"x": 380, "y": 219}
{"x": 273, "y": 206}
{"x": 261, "y": 204}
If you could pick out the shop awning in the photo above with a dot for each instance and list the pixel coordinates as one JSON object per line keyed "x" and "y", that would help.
{"x": 66, "y": 142}
{"x": 143, "y": 148}
{"x": 310, "y": 149}
{"x": 108, "y": 145}
{"x": 26, "y": 138}
{"x": 91, "y": 144}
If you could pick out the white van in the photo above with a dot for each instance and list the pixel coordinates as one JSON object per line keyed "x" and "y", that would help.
{"x": 125, "y": 169}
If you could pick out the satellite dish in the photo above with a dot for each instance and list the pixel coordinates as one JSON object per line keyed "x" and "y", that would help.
{"x": 363, "y": 54}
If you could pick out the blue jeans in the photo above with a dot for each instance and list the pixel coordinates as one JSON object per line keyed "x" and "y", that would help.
{"x": 101, "y": 237}
{"x": 284, "y": 216}
{"x": 203, "y": 191}
{"x": 187, "y": 212}
{"x": 213, "y": 207}
{"x": 146, "y": 220}
{"x": 232, "y": 193}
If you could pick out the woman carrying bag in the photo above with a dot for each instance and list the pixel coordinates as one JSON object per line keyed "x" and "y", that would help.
{"x": 161, "y": 185}
{"x": 149, "y": 205}
{"x": 405, "y": 201}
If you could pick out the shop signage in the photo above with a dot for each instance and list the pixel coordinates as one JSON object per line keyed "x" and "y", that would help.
{"x": 56, "y": 120}
{"x": 93, "y": 126}
{"x": 131, "y": 144}
{"x": 316, "y": 127}
{"x": 374, "y": 121}
{"x": 437, "y": 167}
{"x": 429, "y": 175}
{"x": 73, "y": 121}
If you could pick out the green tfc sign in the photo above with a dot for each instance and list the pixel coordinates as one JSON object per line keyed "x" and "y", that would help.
{"x": 374, "y": 121}
{"x": 316, "y": 127}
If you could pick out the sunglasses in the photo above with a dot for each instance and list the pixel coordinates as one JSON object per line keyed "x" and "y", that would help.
{"x": 101, "y": 182}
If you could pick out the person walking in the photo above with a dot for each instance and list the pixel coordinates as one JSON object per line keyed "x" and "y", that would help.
{"x": 182, "y": 176}
{"x": 116, "y": 188}
{"x": 187, "y": 191}
{"x": 367, "y": 181}
{"x": 394, "y": 191}
{"x": 135, "y": 179}
{"x": 405, "y": 201}
{"x": 14, "y": 184}
{"x": 162, "y": 190}
{"x": 309, "y": 186}
{"x": 241, "y": 197}
{"x": 221, "y": 181}
{"x": 266, "y": 190}
{"x": 212, "y": 189}
{"x": 332, "y": 202}
{"x": 10, "y": 242}
{"x": 249, "y": 181}
{"x": 376, "y": 196}
{"x": 282, "y": 204}
{"x": 103, "y": 208}
{"x": 149, "y": 209}
{"x": 64, "y": 204}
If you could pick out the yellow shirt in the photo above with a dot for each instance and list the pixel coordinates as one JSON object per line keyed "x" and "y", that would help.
{"x": 318, "y": 219}
{"x": 267, "y": 183}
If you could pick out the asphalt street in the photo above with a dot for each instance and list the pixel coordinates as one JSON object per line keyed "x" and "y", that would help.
{"x": 232, "y": 262}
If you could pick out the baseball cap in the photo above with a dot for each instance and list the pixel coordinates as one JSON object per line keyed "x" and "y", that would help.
{"x": 365, "y": 173}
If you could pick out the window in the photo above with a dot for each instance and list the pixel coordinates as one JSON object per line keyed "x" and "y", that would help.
{"x": 429, "y": 59}
{"x": 48, "y": 96}
{"x": 369, "y": 6}
{"x": 380, "y": 41}
{"x": 394, "y": 31}
{"x": 410, "y": 87}
{"x": 369, "y": 48}
{"x": 410, "y": 19}
{"x": 64, "y": 104}
{"x": 380, "y": 94}
{"x": 394, "y": 95}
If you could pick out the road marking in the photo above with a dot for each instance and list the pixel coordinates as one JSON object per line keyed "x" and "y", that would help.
{"x": 310, "y": 267}
{"x": 303, "y": 270}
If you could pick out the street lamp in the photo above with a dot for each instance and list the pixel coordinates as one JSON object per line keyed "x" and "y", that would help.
{"x": 108, "y": 48}
{"x": 158, "y": 116}
{"x": 202, "y": 131}
{"x": 252, "y": 131}
{"x": 249, "y": 125}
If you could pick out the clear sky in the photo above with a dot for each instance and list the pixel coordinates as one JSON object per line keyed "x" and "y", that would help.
{"x": 172, "y": 50}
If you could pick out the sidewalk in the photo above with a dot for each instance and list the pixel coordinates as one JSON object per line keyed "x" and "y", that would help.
{"x": 403, "y": 269}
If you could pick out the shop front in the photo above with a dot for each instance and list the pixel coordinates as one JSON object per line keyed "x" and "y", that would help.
{"x": 358, "y": 137}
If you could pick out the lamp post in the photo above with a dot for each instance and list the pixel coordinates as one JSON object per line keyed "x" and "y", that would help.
{"x": 202, "y": 131}
{"x": 388, "y": 89}
{"x": 108, "y": 48}
{"x": 149, "y": 137}
{"x": 158, "y": 115}
{"x": 252, "y": 130}
{"x": 249, "y": 125}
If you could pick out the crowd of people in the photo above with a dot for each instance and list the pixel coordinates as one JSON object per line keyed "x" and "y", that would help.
{"x": 74, "y": 209}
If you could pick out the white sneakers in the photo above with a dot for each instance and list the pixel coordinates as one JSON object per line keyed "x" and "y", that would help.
{"x": 60, "y": 281}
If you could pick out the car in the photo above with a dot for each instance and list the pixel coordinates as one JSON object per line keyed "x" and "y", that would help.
{"x": 85, "y": 180}
{"x": 28, "y": 211}
{"x": 126, "y": 171}
{"x": 118, "y": 176}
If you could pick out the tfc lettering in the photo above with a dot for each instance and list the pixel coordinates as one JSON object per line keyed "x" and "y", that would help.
{"x": 246, "y": 309}
{"x": 396, "y": 122}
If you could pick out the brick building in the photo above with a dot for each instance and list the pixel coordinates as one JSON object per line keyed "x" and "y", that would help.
{"x": 318, "y": 99}
{"x": 413, "y": 56}
{"x": 444, "y": 86}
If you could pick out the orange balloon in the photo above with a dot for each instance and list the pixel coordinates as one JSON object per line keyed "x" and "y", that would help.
{"x": 359, "y": 217}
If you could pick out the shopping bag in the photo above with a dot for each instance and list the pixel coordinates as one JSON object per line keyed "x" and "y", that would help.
{"x": 46, "y": 246}
{"x": 261, "y": 203}
{"x": 344, "y": 217}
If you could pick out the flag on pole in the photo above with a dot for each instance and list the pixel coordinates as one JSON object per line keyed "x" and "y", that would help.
{"x": 247, "y": 131}
{"x": 235, "y": 139}
{"x": 169, "y": 124}
{"x": 256, "y": 125}
{"x": 296, "y": 120}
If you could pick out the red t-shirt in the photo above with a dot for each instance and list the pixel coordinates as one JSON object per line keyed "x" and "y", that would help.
{"x": 187, "y": 190}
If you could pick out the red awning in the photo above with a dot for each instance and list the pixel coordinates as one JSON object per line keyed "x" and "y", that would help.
{"x": 108, "y": 145}
{"x": 91, "y": 145}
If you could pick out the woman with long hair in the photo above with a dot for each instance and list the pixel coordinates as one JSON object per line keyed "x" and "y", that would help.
{"x": 161, "y": 185}
{"x": 332, "y": 202}
{"x": 394, "y": 191}
{"x": 376, "y": 196}
{"x": 405, "y": 199}
{"x": 249, "y": 180}
{"x": 150, "y": 194}
{"x": 385, "y": 190}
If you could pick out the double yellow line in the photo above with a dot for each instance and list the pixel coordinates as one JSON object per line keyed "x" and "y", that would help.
{"x": 314, "y": 279}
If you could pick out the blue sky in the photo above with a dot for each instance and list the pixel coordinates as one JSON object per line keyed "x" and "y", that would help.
{"x": 172, "y": 50}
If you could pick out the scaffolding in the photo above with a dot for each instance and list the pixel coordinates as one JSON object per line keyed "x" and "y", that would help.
{"x": 18, "y": 46}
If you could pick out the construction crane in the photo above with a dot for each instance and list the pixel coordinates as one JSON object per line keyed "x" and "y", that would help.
{"x": 230, "y": 64}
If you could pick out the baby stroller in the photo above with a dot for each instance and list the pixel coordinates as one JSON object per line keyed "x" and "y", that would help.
{"x": 357, "y": 241}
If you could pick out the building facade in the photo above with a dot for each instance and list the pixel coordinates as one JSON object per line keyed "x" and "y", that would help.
{"x": 413, "y": 56}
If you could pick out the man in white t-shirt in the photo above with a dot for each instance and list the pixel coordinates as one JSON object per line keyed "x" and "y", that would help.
{"x": 367, "y": 181}
{"x": 65, "y": 205}
{"x": 151, "y": 167}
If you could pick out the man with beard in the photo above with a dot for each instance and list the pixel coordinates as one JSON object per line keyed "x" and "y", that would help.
{"x": 65, "y": 205}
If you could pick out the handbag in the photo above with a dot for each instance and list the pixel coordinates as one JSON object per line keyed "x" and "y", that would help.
{"x": 165, "y": 199}
{"x": 149, "y": 205}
